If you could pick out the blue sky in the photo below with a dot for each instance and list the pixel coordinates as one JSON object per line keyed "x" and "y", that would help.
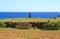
{"x": 29, "y": 5}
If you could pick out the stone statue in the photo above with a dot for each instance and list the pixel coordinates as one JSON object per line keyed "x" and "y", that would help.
{"x": 30, "y": 15}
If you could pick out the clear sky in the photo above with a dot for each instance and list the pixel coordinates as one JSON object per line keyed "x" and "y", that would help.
{"x": 29, "y": 5}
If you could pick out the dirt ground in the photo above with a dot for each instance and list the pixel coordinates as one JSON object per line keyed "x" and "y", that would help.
{"x": 28, "y": 34}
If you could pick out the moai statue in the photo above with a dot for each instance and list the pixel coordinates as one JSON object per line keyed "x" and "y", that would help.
{"x": 30, "y": 15}
{"x": 58, "y": 16}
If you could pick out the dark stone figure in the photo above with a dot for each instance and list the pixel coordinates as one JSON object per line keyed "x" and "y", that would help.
{"x": 30, "y": 15}
{"x": 58, "y": 15}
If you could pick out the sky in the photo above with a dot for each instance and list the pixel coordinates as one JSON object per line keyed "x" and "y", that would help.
{"x": 29, "y": 5}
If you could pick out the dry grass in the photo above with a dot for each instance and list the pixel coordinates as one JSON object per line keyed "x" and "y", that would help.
{"x": 28, "y": 34}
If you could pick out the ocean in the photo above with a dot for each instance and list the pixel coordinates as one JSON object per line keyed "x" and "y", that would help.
{"x": 4, "y": 15}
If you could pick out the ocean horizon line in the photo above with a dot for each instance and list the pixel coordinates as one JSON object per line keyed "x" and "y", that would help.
{"x": 4, "y": 15}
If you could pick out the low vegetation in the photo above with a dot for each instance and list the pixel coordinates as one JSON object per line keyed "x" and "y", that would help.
{"x": 51, "y": 26}
{"x": 31, "y": 23}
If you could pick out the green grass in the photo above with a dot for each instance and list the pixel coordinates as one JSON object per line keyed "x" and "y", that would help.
{"x": 30, "y": 20}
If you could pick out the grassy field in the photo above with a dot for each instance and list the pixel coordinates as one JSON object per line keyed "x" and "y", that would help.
{"x": 10, "y": 33}
{"x": 30, "y": 20}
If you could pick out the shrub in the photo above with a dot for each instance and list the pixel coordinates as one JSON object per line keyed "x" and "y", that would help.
{"x": 2, "y": 25}
{"x": 51, "y": 26}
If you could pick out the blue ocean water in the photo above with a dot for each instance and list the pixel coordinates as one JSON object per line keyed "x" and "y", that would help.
{"x": 4, "y": 15}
